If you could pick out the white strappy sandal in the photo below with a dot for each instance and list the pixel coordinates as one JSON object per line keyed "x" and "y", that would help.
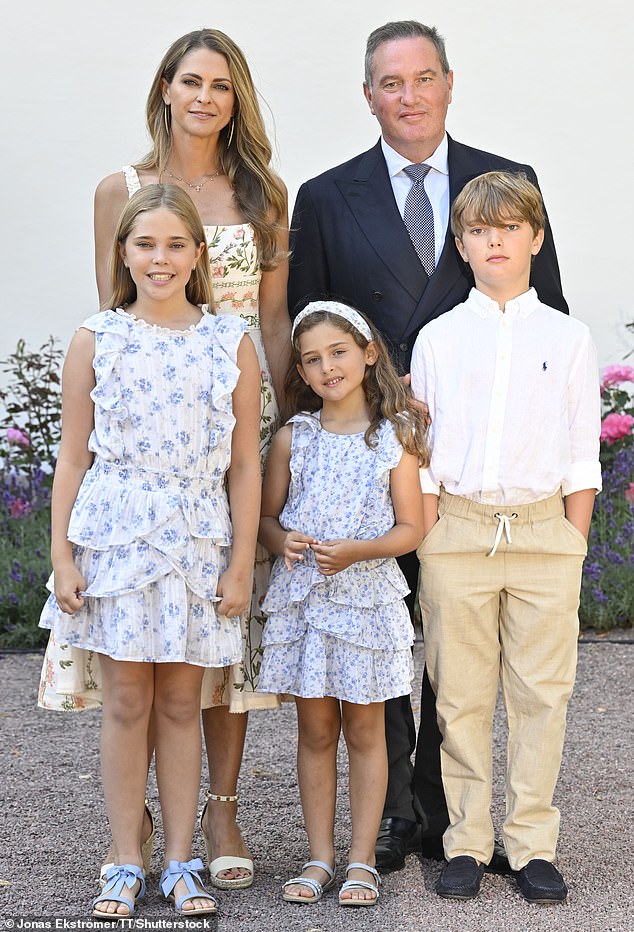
{"x": 318, "y": 888}
{"x": 360, "y": 885}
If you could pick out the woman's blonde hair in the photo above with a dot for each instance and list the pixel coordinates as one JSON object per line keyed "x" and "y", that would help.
{"x": 387, "y": 396}
{"x": 244, "y": 149}
{"x": 178, "y": 202}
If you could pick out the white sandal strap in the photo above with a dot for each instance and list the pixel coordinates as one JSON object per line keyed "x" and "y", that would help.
{"x": 324, "y": 867}
{"x": 314, "y": 885}
{"x": 357, "y": 885}
{"x": 222, "y": 799}
{"x": 357, "y": 865}
{"x": 226, "y": 862}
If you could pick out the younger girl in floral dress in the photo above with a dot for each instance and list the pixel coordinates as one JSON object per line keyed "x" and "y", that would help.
{"x": 341, "y": 500}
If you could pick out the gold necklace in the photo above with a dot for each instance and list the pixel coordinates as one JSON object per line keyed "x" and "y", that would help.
{"x": 194, "y": 187}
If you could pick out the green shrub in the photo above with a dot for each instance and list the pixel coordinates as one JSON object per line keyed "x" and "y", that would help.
{"x": 31, "y": 424}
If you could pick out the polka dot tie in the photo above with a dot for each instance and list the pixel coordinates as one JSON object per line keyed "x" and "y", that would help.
{"x": 419, "y": 216}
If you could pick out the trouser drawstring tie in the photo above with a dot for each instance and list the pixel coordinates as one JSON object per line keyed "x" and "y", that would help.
{"x": 504, "y": 527}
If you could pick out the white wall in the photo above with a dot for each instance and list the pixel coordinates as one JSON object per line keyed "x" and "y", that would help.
{"x": 547, "y": 83}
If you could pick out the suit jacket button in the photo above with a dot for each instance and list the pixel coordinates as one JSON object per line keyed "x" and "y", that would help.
{"x": 377, "y": 295}
{"x": 403, "y": 347}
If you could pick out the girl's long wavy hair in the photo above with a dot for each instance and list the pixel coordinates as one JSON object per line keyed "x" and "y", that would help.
{"x": 259, "y": 193}
{"x": 387, "y": 396}
{"x": 150, "y": 197}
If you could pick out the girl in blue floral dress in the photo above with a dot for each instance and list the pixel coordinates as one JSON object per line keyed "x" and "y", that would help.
{"x": 160, "y": 407}
{"x": 341, "y": 500}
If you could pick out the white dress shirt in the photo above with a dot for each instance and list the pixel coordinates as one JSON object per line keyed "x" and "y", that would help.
{"x": 436, "y": 185}
{"x": 513, "y": 398}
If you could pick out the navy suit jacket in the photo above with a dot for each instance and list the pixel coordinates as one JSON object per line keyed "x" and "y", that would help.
{"x": 349, "y": 241}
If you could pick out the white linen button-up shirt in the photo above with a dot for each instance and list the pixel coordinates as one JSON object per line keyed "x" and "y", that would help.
{"x": 514, "y": 401}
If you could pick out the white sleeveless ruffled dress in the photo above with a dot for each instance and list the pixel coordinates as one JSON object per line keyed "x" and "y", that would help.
{"x": 348, "y": 635}
{"x": 150, "y": 527}
{"x": 70, "y": 678}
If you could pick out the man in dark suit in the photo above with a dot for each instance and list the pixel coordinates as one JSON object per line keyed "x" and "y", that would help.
{"x": 349, "y": 239}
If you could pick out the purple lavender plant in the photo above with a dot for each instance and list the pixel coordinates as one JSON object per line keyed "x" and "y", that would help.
{"x": 607, "y": 587}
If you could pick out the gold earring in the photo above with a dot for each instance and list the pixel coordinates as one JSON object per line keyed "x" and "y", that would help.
{"x": 165, "y": 119}
{"x": 231, "y": 132}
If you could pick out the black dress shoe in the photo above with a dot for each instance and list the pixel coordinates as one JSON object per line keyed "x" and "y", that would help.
{"x": 396, "y": 838}
{"x": 460, "y": 878}
{"x": 499, "y": 863}
{"x": 541, "y": 882}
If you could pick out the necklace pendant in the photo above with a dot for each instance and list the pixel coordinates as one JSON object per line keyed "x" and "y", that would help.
{"x": 197, "y": 187}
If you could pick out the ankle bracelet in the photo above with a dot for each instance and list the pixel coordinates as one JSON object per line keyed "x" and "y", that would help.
{"x": 222, "y": 799}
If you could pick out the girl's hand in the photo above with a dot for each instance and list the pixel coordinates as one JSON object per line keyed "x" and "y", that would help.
{"x": 235, "y": 592}
{"x": 295, "y": 545}
{"x": 69, "y": 583}
{"x": 335, "y": 555}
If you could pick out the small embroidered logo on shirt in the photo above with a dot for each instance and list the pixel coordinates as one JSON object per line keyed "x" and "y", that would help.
{"x": 544, "y": 366}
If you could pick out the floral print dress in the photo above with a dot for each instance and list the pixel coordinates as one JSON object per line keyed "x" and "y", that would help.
{"x": 347, "y": 635}
{"x": 150, "y": 526}
{"x": 70, "y": 678}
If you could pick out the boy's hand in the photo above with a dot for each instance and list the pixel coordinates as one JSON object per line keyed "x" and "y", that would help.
{"x": 69, "y": 584}
{"x": 335, "y": 555}
{"x": 295, "y": 546}
{"x": 235, "y": 592}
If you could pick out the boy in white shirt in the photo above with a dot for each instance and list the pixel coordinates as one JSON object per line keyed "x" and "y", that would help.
{"x": 513, "y": 393}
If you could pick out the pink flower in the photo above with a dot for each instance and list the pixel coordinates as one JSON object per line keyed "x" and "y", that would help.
{"x": 614, "y": 426}
{"x": 19, "y": 508}
{"x": 629, "y": 493}
{"x": 16, "y": 436}
{"x": 614, "y": 375}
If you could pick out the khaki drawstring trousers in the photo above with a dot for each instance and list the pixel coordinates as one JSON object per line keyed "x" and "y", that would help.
{"x": 510, "y": 617}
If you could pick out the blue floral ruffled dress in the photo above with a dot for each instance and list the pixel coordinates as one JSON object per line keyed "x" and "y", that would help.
{"x": 348, "y": 635}
{"x": 150, "y": 525}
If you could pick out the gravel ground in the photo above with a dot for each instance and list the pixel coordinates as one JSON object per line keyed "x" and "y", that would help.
{"x": 54, "y": 830}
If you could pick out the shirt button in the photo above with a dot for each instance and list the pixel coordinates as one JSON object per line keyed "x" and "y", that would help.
{"x": 377, "y": 295}
{"x": 403, "y": 347}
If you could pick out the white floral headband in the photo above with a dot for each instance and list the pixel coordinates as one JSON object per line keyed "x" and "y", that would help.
{"x": 334, "y": 307}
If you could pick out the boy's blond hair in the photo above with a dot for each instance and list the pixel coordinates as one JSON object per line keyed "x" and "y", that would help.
{"x": 494, "y": 199}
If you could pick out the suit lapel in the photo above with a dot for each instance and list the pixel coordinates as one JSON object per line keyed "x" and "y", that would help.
{"x": 370, "y": 198}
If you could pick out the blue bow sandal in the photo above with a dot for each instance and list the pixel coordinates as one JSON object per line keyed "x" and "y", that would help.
{"x": 117, "y": 877}
{"x": 189, "y": 872}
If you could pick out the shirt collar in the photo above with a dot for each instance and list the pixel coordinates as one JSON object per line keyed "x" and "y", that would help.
{"x": 396, "y": 162}
{"x": 484, "y": 306}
